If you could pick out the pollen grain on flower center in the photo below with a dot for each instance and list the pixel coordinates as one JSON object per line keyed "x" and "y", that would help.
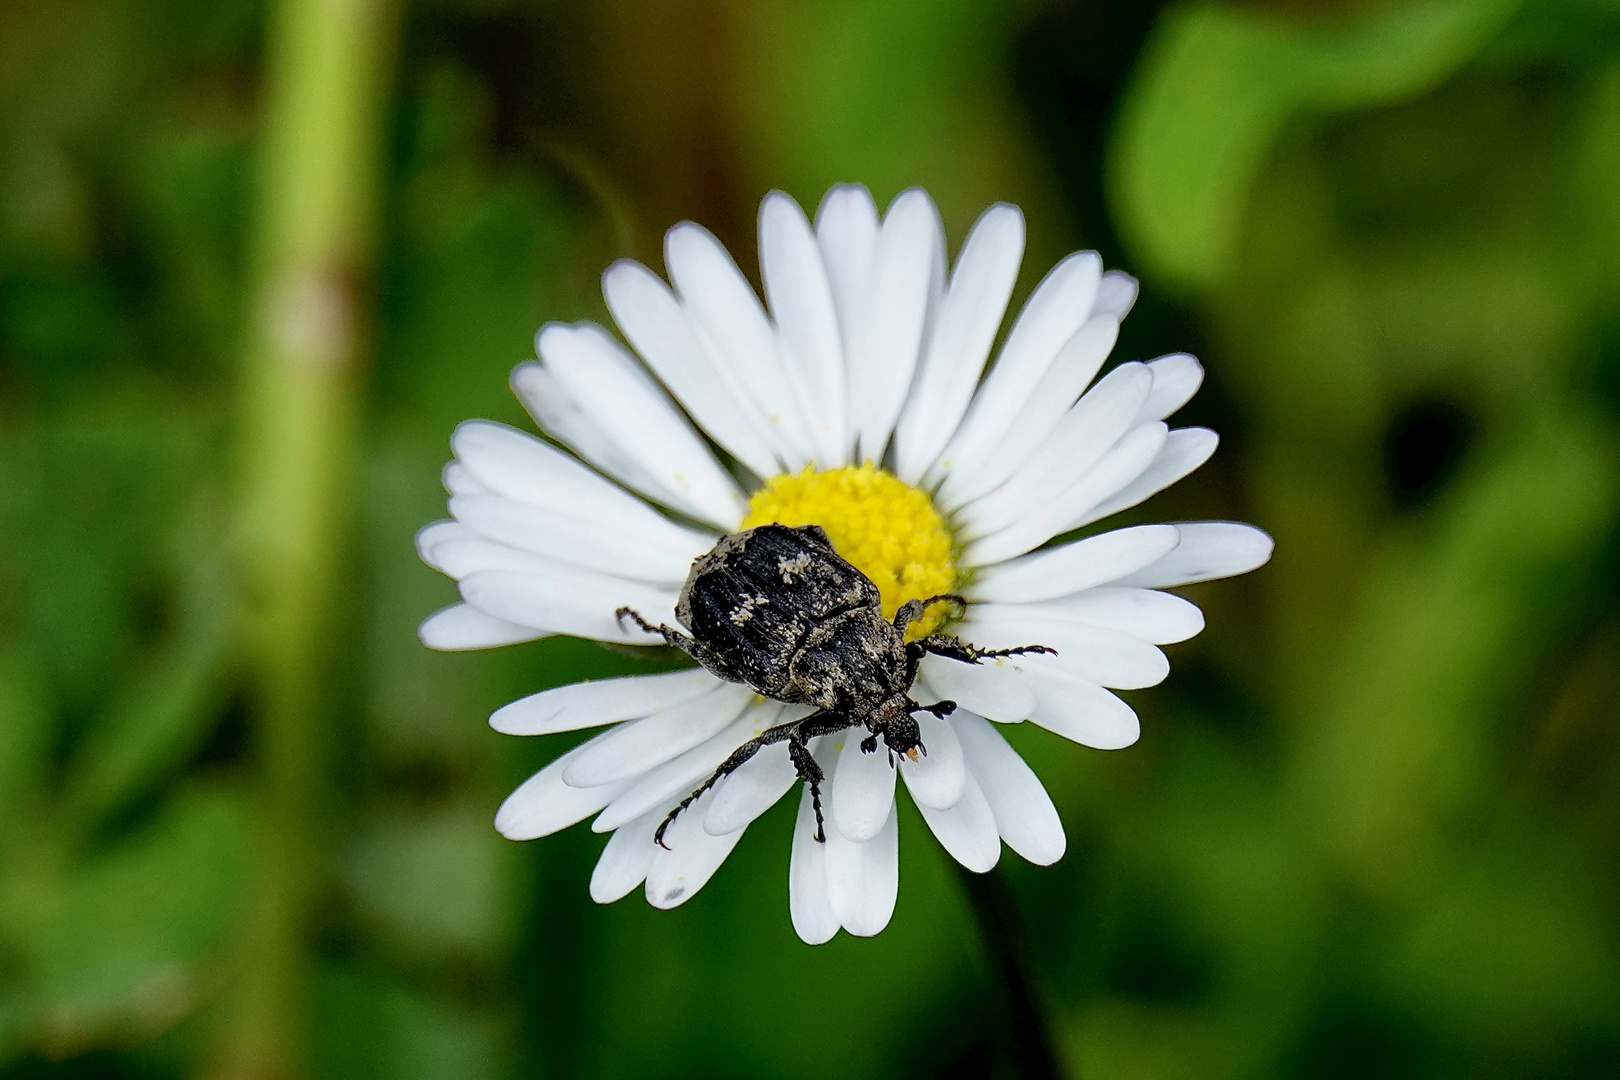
{"x": 886, "y": 528}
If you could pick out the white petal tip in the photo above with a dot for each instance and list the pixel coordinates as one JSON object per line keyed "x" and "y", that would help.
{"x": 816, "y": 936}
{"x": 1125, "y": 739}
{"x": 549, "y": 337}
{"x": 1264, "y": 547}
{"x": 980, "y": 864}
{"x": 866, "y": 929}
{"x": 462, "y": 627}
{"x": 672, "y": 897}
{"x": 527, "y": 373}
{"x": 1044, "y": 856}
{"x": 511, "y": 827}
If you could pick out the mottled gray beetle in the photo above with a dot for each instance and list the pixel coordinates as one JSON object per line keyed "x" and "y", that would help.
{"x": 778, "y": 609}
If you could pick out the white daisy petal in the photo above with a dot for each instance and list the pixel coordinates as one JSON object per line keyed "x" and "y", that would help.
{"x": 1184, "y": 450}
{"x": 1078, "y": 708}
{"x": 1208, "y": 550}
{"x": 1126, "y": 461}
{"x": 863, "y": 880}
{"x": 1057, "y": 308}
{"x": 653, "y": 321}
{"x": 590, "y": 543}
{"x": 673, "y": 780}
{"x": 1176, "y": 378}
{"x": 751, "y": 790}
{"x": 1078, "y": 442}
{"x": 687, "y": 861}
{"x": 564, "y": 599}
{"x": 431, "y": 536}
{"x": 1157, "y": 617}
{"x": 460, "y": 557}
{"x": 1084, "y": 564}
{"x": 676, "y": 779}
{"x": 543, "y": 803}
{"x": 808, "y": 901}
{"x": 801, "y": 301}
{"x": 992, "y": 688}
{"x": 862, "y": 789}
{"x": 563, "y": 417}
{"x": 883, "y": 352}
{"x": 602, "y": 701}
{"x": 937, "y": 777}
{"x": 938, "y": 273}
{"x": 1024, "y": 813}
{"x": 625, "y": 859}
{"x": 960, "y": 338}
{"x": 638, "y": 746}
{"x": 459, "y": 480}
{"x": 967, "y": 828}
{"x": 462, "y": 626}
{"x": 735, "y": 331}
{"x": 513, "y": 463}
{"x": 1076, "y": 365}
{"x": 1104, "y": 656}
{"x": 1116, "y": 294}
{"x": 847, "y": 231}
{"x": 636, "y": 413}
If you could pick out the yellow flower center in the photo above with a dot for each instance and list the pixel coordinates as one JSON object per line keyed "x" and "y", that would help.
{"x": 886, "y": 528}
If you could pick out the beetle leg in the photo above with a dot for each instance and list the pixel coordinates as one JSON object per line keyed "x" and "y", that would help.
{"x": 739, "y": 757}
{"x": 821, "y": 723}
{"x": 952, "y": 649}
{"x": 670, "y": 635}
{"x": 677, "y": 640}
{"x": 912, "y": 609}
{"x": 815, "y": 724}
{"x": 810, "y": 772}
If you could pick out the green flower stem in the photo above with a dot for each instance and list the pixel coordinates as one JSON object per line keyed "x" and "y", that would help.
{"x": 326, "y": 79}
{"x": 1024, "y": 1023}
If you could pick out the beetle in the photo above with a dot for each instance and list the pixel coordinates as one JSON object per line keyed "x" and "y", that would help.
{"x": 777, "y": 608}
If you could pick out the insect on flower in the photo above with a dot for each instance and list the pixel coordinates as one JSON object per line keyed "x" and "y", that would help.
{"x": 806, "y": 491}
{"x": 778, "y": 609}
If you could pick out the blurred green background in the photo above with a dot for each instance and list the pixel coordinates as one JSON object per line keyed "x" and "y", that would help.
{"x": 258, "y": 258}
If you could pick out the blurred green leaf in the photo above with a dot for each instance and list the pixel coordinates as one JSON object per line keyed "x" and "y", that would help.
{"x": 1597, "y": 177}
{"x": 1516, "y": 949}
{"x": 435, "y": 882}
{"x": 114, "y": 944}
{"x": 889, "y": 95}
{"x": 1219, "y": 82}
{"x": 380, "y": 1030}
{"x": 1120, "y": 1040}
{"x": 151, "y": 727}
{"x": 27, "y": 726}
{"x": 1455, "y": 625}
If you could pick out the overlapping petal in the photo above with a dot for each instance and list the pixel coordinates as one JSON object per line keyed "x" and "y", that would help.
{"x": 960, "y": 338}
{"x": 734, "y": 330}
{"x": 801, "y": 301}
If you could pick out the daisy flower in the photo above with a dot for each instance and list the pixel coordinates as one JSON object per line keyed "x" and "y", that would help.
{"x": 861, "y": 396}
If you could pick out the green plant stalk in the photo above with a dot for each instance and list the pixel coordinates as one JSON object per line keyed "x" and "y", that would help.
{"x": 1026, "y": 1032}
{"x": 326, "y": 78}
